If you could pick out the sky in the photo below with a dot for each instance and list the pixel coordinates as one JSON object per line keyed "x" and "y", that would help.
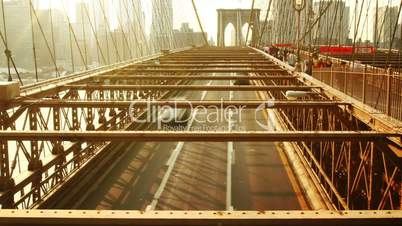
{"x": 183, "y": 12}
{"x": 206, "y": 7}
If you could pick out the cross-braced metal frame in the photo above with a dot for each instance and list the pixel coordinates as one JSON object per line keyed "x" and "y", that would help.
{"x": 53, "y": 130}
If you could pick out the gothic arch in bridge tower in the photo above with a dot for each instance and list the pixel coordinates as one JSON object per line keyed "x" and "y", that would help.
{"x": 239, "y": 18}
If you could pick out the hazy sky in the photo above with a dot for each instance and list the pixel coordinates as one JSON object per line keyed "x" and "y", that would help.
{"x": 183, "y": 12}
{"x": 207, "y": 11}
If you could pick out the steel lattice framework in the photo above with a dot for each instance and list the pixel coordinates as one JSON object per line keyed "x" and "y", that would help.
{"x": 57, "y": 128}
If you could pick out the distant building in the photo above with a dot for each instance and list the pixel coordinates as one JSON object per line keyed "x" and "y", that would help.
{"x": 136, "y": 23}
{"x": 55, "y": 38}
{"x": 284, "y": 21}
{"x": 187, "y": 37}
{"x": 211, "y": 41}
{"x": 398, "y": 41}
{"x": 185, "y": 27}
{"x": 262, "y": 5}
{"x": 333, "y": 28}
{"x": 400, "y": 31}
{"x": 384, "y": 28}
{"x": 19, "y": 33}
{"x": 100, "y": 9}
{"x": 83, "y": 34}
{"x": 267, "y": 37}
{"x": 162, "y": 25}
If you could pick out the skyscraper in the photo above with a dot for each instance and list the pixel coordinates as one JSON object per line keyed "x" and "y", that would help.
{"x": 162, "y": 25}
{"x": 333, "y": 27}
{"x": 83, "y": 33}
{"x": 100, "y": 10}
{"x": 17, "y": 14}
{"x": 53, "y": 26}
{"x": 134, "y": 23}
{"x": 285, "y": 18}
{"x": 384, "y": 28}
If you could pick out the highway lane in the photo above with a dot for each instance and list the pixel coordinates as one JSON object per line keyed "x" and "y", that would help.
{"x": 128, "y": 183}
{"x": 198, "y": 181}
{"x": 261, "y": 178}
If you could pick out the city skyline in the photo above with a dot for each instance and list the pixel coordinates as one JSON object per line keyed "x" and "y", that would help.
{"x": 207, "y": 10}
{"x": 44, "y": 39}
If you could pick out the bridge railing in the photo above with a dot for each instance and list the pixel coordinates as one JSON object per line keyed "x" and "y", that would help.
{"x": 377, "y": 88}
{"x": 354, "y": 174}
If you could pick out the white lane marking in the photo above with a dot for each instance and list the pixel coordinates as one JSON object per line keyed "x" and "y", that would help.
{"x": 230, "y": 156}
{"x": 172, "y": 161}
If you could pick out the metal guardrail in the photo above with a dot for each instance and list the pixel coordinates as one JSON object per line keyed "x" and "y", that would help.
{"x": 198, "y": 218}
{"x": 378, "y": 88}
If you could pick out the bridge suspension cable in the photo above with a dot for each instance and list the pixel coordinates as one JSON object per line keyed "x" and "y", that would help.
{"x": 7, "y": 51}
{"x": 265, "y": 23}
{"x": 250, "y": 21}
{"x": 199, "y": 23}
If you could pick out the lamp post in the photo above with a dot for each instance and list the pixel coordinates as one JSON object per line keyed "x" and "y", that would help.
{"x": 298, "y": 5}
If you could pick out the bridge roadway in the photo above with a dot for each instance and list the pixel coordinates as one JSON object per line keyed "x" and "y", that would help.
{"x": 325, "y": 154}
{"x": 261, "y": 178}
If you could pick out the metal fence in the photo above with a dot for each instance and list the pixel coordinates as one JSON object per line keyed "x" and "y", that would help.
{"x": 378, "y": 88}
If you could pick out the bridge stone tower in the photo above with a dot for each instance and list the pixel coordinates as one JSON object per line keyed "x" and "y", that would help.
{"x": 238, "y": 17}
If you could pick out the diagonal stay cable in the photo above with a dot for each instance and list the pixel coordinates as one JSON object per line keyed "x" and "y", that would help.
{"x": 251, "y": 21}
{"x": 204, "y": 35}
{"x": 44, "y": 37}
{"x": 322, "y": 13}
{"x": 265, "y": 23}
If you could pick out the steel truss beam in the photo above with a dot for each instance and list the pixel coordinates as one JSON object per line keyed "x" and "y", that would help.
{"x": 226, "y": 58}
{"x": 201, "y": 70}
{"x": 269, "y": 104}
{"x": 198, "y": 218}
{"x": 196, "y": 77}
{"x": 206, "y": 62}
{"x": 191, "y": 87}
{"x": 200, "y": 65}
{"x": 49, "y": 175}
{"x": 356, "y": 174}
{"x": 195, "y": 136}
{"x": 353, "y": 165}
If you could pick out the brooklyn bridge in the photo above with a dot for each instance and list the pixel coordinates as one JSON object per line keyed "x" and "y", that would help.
{"x": 111, "y": 115}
